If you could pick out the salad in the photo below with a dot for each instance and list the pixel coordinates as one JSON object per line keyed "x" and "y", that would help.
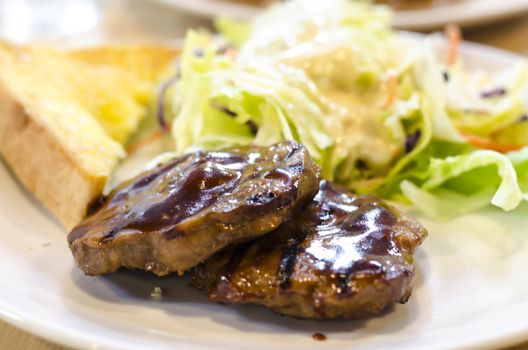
{"x": 380, "y": 111}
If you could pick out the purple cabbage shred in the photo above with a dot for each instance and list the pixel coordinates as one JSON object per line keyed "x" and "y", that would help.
{"x": 497, "y": 92}
{"x": 161, "y": 100}
{"x": 412, "y": 140}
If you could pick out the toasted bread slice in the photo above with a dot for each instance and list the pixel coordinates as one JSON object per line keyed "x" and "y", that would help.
{"x": 64, "y": 117}
{"x": 143, "y": 62}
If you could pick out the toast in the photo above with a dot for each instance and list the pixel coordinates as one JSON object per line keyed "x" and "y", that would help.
{"x": 65, "y": 116}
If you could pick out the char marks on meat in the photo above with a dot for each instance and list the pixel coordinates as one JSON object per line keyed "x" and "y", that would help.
{"x": 175, "y": 216}
{"x": 343, "y": 256}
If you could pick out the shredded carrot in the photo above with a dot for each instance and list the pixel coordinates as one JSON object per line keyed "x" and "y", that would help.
{"x": 231, "y": 53}
{"x": 480, "y": 142}
{"x": 454, "y": 36}
{"x": 392, "y": 85}
{"x": 146, "y": 140}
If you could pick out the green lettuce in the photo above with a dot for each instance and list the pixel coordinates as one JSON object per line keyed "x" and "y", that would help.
{"x": 444, "y": 176}
{"x": 519, "y": 160}
{"x": 457, "y": 184}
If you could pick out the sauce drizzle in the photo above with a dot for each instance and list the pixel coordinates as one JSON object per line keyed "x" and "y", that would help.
{"x": 319, "y": 336}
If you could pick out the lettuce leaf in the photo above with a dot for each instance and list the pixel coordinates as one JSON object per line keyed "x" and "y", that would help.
{"x": 462, "y": 183}
{"x": 519, "y": 160}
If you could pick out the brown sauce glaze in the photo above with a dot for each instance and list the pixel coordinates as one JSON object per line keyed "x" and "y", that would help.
{"x": 319, "y": 336}
{"x": 177, "y": 215}
{"x": 158, "y": 200}
{"x": 165, "y": 196}
{"x": 343, "y": 255}
{"x": 347, "y": 237}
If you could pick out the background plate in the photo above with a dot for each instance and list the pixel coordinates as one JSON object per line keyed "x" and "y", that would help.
{"x": 470, "y": 291}
{"x": 464, "y": 12}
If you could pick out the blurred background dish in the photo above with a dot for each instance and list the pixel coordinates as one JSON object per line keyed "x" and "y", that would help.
{"x": 93, "y": 22}
{"x": 410, "y": 14}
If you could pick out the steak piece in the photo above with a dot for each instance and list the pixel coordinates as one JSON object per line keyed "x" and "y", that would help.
{"x": 344, "y": 256}
{"x": 173, "y": 217}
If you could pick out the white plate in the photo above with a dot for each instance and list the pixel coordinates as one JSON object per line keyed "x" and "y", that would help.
{"x": 471, "y": 289}
{"x": 464, "y": 12}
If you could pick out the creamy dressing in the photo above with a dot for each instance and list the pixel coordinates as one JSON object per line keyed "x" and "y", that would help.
{"x": 346, "y": 75}
{"x": 353, "y": 109}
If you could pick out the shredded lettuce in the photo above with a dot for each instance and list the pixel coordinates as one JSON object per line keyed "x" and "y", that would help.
{"x": 483, "y": 103}
{"x": 234, "y": 32}
{"x": 378, "y": 112}
{"x": 218, "y": 104}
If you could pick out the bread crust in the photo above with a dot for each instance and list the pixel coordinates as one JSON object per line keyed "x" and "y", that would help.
{"x": 41, "y": 164}
{"x": 64, "y": 165}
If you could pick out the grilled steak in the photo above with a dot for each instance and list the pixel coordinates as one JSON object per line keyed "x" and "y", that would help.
{"x": 177, "y": 215}
{"x": 343, "y": 256}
